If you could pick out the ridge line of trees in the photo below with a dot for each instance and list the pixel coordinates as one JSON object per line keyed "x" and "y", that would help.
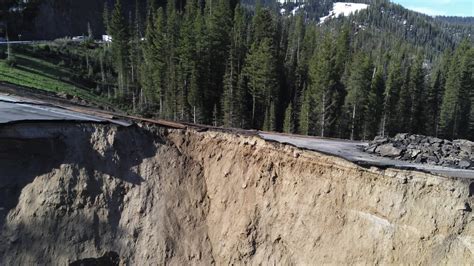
{"x": 216, "y": 62}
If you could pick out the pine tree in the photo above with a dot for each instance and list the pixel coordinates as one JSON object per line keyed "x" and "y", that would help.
{"x": 219, "y": 24}
{"x": 269, "y": 121}
{"x": 322, "y": 90}
{"x": 154, "y": 67}
{"x": 195, "y": 96}
{"x": 232, "y": 97}
{"x": 263, "y": 26}
{"x": 304, "y": 114}
{"x": 433, "y": 101}
{"x": 294, "y": 50}
{"x": 106, "y": 18}
{"x": 230, "y": 92}
{"x": 435, "y": 93}
{"x": 470, "y": 66}
{"x": 301, "y": 101}
{"x": 120, "y": 47}
{"x": 450, "y": 106}
{"x": 135, "y": 48}
{"x": 404, "y": 106}
{"x": 171, "y": 94}
{"x": 455, "y": 109}
{"x": 376, "y": 100}
{"x": 466, "y": 92}
{"x": 418, "y": 94}
{"x": 187, "y": 57}
{"x": 260, "y": 70}
{"x": 288, "y": 125}
{"x": 391, "y": 96}
{"x": 342, "y": 58}
{"x": 201, "y": 68}
{"x": 357, "y": 99}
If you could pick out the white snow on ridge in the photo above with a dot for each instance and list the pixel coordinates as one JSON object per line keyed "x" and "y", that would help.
{"x": 296, "y": 9}
{"x": 345, "y": 9}
{"x": 290, "y": 1}
{"x": 300, "y": 5}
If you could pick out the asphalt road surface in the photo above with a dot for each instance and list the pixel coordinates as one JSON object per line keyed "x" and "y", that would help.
{"x": 352, "y": 151}
{"x": 14, "y": 109}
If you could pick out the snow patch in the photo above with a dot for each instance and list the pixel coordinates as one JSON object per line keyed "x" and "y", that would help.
{"x": 293, "y": 11}
{"x": 345, "y": 9}
{"x": 290, "y": 1}
{"x": 297, "y": 9}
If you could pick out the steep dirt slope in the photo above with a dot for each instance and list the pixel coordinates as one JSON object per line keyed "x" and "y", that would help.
{"x": 156, "y": 196}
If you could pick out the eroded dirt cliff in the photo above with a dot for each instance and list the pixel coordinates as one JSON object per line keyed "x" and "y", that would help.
{"x": 163, "y": 196}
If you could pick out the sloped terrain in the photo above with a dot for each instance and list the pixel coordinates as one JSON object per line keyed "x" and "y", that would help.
{"x": 71, "y": 192}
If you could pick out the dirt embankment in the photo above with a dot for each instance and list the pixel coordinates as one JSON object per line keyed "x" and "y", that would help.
{"x": 154, "y": 196}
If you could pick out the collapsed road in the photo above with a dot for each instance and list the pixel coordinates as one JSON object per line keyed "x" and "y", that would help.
{"x": 353, "y": 151}
{"x": 79, "y": 184}
{"x": 16, "y": 109}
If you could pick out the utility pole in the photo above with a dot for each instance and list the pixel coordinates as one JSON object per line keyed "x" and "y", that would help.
{"x": 9, "y": 48}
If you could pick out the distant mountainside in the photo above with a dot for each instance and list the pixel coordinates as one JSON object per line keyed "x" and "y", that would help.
{"x": 469, "y": 21}
{"x": 385, "y": 20}
{"x": 49, "y": 19}
{"x": 416, "y": 28}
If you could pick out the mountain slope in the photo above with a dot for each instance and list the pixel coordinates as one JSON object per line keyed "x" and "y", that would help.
{"x": 49, "y": 19}
{"x": 383, "y": 17}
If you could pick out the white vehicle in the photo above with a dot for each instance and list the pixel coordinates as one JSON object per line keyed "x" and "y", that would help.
{"x": 79, "y": 38}
{"x": 106, "y": 38}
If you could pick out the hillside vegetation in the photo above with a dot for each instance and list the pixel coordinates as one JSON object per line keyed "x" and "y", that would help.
{"x": 38, "y": 67}
{"x": 380, "y": 71}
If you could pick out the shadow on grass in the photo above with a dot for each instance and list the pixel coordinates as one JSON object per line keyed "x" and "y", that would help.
{"x": 49, "y": 70}
{"x": 34, "y": 67}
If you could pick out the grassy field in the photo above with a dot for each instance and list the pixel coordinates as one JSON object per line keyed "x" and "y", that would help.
{"x": 41, "y": 74}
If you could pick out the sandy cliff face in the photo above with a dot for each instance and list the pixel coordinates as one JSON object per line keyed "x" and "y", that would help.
{"x": 156, "y": 196}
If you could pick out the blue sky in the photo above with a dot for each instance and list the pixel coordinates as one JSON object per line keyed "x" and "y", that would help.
{"x": 440, "y": 7}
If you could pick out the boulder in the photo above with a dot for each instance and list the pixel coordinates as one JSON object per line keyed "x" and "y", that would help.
{"x": 388, "y": 150}
{"x": 401, "y": 136}
{"x": 431, "y": 159}
{"x": 380, "y": 140}
{"x": 414, "y": 153}
{"x": 433, "y": 140}
{"x": 464, "y": 164}
{"x": 370, "y": 148}
{"x": 465, "y": 145}
{"x": 446, "y": 149}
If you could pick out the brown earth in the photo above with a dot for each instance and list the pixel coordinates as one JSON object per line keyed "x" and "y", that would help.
{"x": 178, "y": 196}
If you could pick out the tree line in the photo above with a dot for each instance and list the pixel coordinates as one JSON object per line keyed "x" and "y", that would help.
{"x": 218, "y": 62}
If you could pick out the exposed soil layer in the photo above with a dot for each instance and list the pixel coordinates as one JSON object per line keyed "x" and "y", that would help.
{"x": 73, "y": 192}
